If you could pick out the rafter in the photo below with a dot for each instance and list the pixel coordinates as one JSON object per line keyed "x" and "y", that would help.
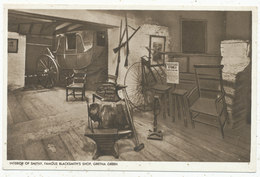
{"x": 75, "y": 26}
{"x": 63, "y": 25}
{"x": 30, "y": 18}
{"x": 67, "y": 28}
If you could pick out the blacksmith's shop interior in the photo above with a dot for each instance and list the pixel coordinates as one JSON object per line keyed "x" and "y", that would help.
{"x": 135, "y": 85}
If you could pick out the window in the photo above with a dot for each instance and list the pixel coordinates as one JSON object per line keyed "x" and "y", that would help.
{"x": 193, "y": 36}
{"x": 71, "y": 41}
{"x": 101, "y": 38}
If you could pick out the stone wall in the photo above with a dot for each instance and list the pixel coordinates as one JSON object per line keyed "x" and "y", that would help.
{"x": 237, "y": 80}
{"x": 137, "y": 47}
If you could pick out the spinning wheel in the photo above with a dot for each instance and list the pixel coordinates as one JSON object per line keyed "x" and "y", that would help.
{"x": 47, "y": 71}
{"x": 139, "y": 81}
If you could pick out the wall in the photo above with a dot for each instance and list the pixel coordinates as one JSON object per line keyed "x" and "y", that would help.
{"x": 157, "y": 19}
{"x": 16, "y": 63}
{"x": 172, "y": 19}
{"x": 168, "y": 23}
{"x": 215, "y": 27}
{"x": 137, "y": 47}
{"x": 238, "y": 25}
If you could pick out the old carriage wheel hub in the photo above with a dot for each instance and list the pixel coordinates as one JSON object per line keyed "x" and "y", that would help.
{"x": 46, "y": 70}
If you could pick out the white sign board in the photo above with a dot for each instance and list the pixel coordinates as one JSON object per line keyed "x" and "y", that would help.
{"x": 172, "y": 71}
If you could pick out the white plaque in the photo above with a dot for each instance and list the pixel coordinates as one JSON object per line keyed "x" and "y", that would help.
{"x": 172, "y": 71}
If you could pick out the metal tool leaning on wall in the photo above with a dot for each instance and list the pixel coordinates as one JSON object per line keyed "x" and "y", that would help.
{"x": 120, "y": 45}
{"x": 138, "y": 146}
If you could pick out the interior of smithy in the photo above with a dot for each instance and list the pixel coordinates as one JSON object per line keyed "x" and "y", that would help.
{"x": 168, "y": 111}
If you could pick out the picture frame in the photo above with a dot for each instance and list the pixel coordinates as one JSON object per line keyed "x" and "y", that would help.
{"x": 157, "y": 43}
{"x": 12, "y": 45}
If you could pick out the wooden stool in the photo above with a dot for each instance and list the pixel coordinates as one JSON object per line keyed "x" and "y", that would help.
{"x": 180, "y": 105}
{"x": 164, "y": 92}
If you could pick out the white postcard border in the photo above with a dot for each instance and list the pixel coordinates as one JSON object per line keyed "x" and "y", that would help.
{"x": 140, "y": 166}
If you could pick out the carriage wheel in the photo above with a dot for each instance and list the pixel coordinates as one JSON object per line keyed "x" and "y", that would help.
{"x": 138, "y": 91}
{"x": 47, "y": 71}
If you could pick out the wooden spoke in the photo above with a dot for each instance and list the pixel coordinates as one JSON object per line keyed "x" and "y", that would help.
{"x": 138, "y": 90}
{"x": 47, "y": 71}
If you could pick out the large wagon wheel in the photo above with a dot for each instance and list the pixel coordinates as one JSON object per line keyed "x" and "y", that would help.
{"x": 139, "y": 83}
{"x": 47, "y": 71}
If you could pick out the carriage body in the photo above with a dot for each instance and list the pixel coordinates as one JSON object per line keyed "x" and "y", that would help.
{"x": 82, "y": 50}
{"x": 74, "y": 50}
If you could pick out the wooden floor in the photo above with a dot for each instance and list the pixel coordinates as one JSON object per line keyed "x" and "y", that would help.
{"x": 43, "y": 126}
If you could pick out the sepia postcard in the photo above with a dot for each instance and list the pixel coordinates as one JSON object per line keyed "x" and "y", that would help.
{"x": 138, "y": 88}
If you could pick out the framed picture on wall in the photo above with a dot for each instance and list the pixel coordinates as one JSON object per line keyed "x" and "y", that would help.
{"x": 157, "y": 45}
{"x": 12, "y": 45}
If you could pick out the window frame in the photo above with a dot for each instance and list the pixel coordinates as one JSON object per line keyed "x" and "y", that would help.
{"x": 105, "y": 38}
{"x": 67, "y": 45}
{"x": 206, "y": 34}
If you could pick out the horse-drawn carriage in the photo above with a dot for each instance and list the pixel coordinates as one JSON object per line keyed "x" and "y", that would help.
{"x": 74, "y": 50}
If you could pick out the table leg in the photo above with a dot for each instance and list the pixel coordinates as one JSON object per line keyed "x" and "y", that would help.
{"x": 164, "y": 105}
{"x": 175, "y": 107}
{"x": 171, "y": 107}
{"x": 184, "y": 111}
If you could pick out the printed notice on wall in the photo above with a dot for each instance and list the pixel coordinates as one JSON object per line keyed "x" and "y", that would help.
{"x": 172, "y": 71}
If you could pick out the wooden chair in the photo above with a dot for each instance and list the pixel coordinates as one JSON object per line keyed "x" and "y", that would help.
{"x": 208, "y": 97}
{"x": 76, "y": 82}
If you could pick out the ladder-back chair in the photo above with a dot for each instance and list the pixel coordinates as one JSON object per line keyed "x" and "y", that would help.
{"x": 207, "y": 99}
{"x": 76, "y": 83}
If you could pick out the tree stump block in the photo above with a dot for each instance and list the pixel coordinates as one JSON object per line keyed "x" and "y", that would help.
{"x": 111, "y": 118}
{"x": 113, "y": 115}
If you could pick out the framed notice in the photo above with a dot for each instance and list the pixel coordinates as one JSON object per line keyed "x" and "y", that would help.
{"x": 12, "y": 45}
{"x": 172, "y": 71}
{"x": 157, "y": 45}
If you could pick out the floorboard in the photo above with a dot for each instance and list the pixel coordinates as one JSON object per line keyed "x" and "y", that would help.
{"x": 43, "y": 126}
{"x": 219, "y": 151}
{"x": 16, "y": 110}
{"x": 171, "y": 150}
{"x": 15, "y": 152}
{"x": 35, "y": 151}
{"x": 76, "y": 151}
{"x": 56, "y": 149}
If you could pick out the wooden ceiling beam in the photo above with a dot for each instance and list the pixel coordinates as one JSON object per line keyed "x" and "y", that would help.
{"x": 63, "y": 25}
{"x": 74, "y": 27}
{"x": 67, "y": 28}
{"x": 42, "y": 36}
{"x": 30, "y": 18}
{"x": 13, "y": 23}
{"x": 58, "y": 19}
